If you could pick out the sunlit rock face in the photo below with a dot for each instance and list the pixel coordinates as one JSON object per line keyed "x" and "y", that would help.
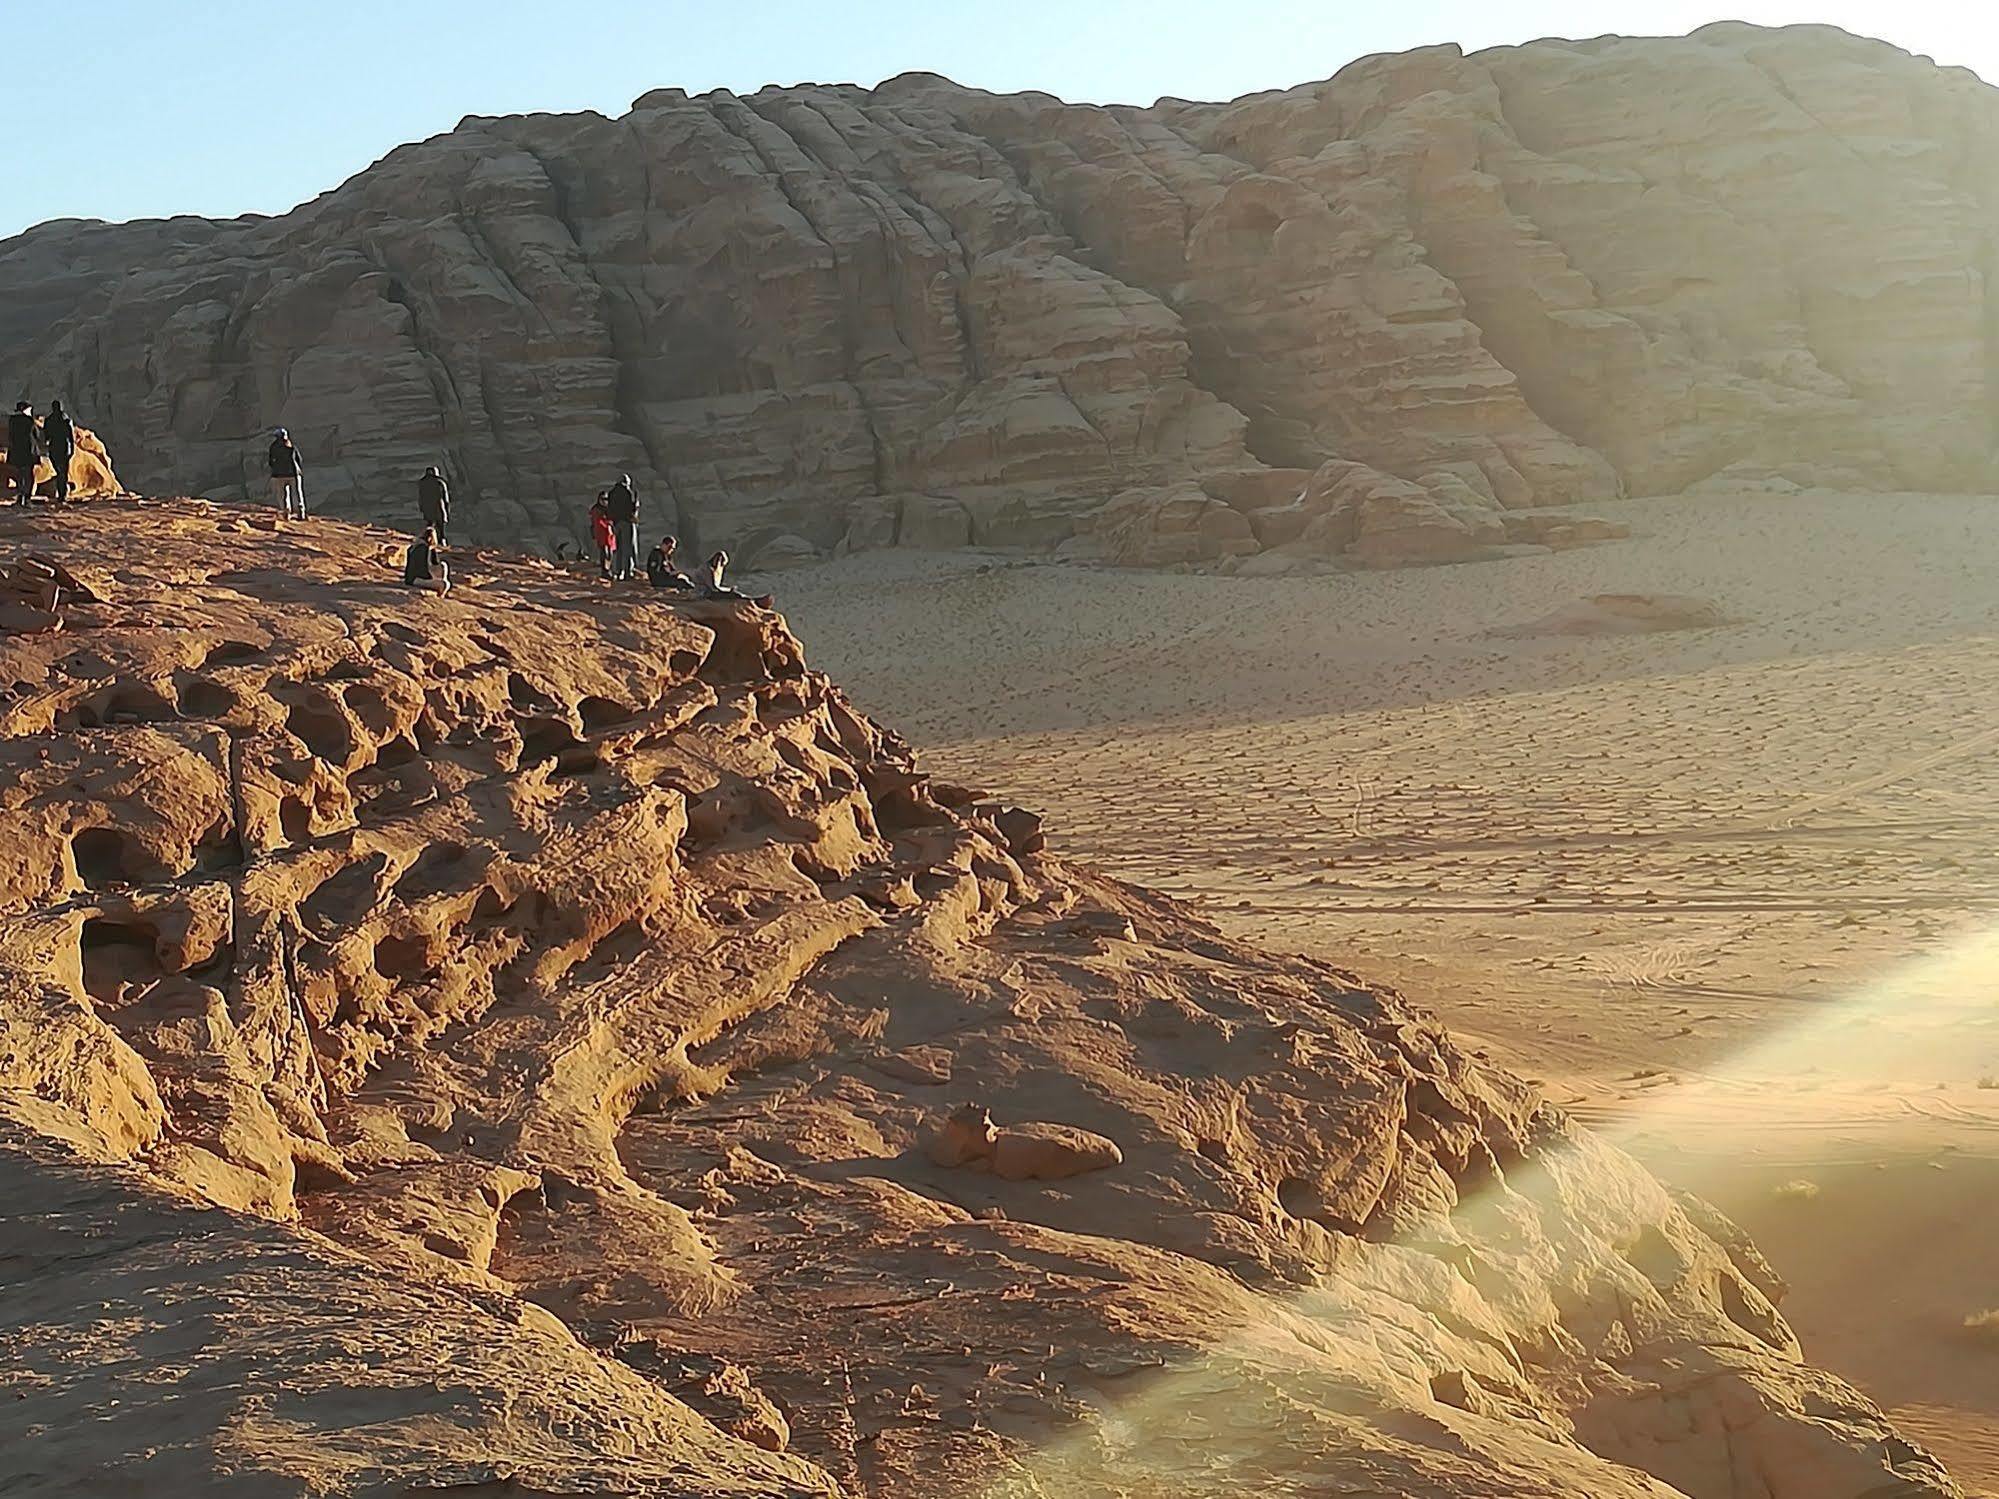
{"x": 926, "y": 315}
{"x": 544, "y": 1039}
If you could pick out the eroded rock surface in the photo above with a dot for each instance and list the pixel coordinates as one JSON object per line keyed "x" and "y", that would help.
{"x": 499, "y": 1040}
{"x": 827, "y": 317}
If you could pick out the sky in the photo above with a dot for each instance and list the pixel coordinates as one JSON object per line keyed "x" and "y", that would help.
{"x": 144, "y": 108}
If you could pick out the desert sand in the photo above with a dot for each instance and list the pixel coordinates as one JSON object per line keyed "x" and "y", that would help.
{"x": 1730, "y": 891}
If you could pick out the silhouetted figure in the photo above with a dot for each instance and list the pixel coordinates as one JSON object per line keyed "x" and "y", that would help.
{"x": 424, "y": 568}
{"x": 433, "y": 502}
{"x": 24, "y": 442}
{"x": 661, "y": 572}
{"x": 287, "y": 483}
{"x": 622, "y": 501}
{"x": 59, "y": 437}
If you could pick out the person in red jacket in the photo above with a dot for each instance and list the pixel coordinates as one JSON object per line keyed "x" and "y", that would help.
{"x": 601, "y": 536}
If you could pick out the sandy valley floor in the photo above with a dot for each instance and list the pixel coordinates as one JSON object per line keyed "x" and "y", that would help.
{"x": 1731, "y": 893}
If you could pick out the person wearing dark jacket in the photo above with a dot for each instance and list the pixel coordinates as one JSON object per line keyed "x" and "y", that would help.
{"x": 24, "y": 442}
{"x": 622, "y": 501}
{"x": 59, "y": 437}
{"x": 661, "y": 572}
{"x": 433, "y": 501}
{"x": 287, "y": 483}
{"x": 424, "y": 568}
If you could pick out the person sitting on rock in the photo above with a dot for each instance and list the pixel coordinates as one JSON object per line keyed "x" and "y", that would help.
{"x": 287, "y": 482}
{"x": 715, "y": 588}
{"x": 601, "y": 535}
{"x": 433, "y": 502}
{"x": 661, "y": 572}
{"x": 59, "y": 437}
{"x": 24, "y": 443}
{"x": 622, "y": 501}
{"x": 424, "y": 568}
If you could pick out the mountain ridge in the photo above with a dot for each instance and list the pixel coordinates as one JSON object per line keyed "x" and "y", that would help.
{"x": 1363, "y": 321}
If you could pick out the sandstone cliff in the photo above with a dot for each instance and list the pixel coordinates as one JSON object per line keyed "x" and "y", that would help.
{"x": 545, "y": 1040}
{"x": 1360, "y": 318}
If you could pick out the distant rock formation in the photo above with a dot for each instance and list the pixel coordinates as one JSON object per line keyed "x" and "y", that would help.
{"x": 495, "y": 1044}
{"x": 923, "y": 315}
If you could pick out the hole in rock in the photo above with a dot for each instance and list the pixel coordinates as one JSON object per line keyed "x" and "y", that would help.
{"x": 545, "y": 739}
{"x": 1754, "y": 1320}
{"x": 82, "y": 716}
{"x": 490, "y": 907}
{"x": 524, "y": 695}
{"x": 344, "y": 897}
{"x": 138, "y": 703}
{"x": 431, "y": 872}
{"x": 232, "y": 653}
{"x": 202, "y": 698}
{"x": 397, "y": 751}
{"x": 400, "y": 959}
{"x": 1301, "y": 1198}
{"x": 105, "y": 856}
{"x": 600, "y": 713}
{"x": 365, "y": 701}
{"x": 684, "y": 663}
{"x": 295, "y": 820}
{"x": 1653, "y": 1256}
{"x": 219, "y": 848}
{"x": 323, "y": 730}
{"x": 117, "y": 956}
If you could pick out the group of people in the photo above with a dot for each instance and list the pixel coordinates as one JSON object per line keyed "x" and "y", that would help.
{"x": 614, "y": 527}
{"x": 614, "y": 518}
{"x": 614, "y": 530}
{"x": 29, "y": 441}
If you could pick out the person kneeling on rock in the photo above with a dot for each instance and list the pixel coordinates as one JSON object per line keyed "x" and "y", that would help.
{"x": 424, "y": 568}
{"x": 661, "y": 572}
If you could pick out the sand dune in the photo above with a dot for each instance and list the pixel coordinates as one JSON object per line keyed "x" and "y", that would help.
{"x": 1726, "y": 890}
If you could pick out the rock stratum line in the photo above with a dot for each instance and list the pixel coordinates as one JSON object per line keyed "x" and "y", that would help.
{"x": 1383, "y": 318}
{"x": 518, "y": 1042}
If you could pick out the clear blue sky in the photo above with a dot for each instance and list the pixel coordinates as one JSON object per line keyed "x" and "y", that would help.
{"x": 139, "y": 108}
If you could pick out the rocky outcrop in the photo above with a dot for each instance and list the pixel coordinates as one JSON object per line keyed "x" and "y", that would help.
{"x": 90, "y": 475}
{"x": 496, "y": 1042}
{"x": 925, "y": 315}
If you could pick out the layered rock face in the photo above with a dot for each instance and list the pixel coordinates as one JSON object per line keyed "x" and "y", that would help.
{"x": 543, "y": 1039}
{"x": 1360, "y": 319}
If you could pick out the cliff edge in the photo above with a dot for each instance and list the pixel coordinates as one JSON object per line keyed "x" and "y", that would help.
{"x": 545, "y": 1039}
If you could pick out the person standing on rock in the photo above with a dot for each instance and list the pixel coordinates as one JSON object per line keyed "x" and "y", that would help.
{"x": 622, "y": 502}
{"x": 287, "y": 483}
{"x": 433, "y": 502}
{"x": 59, "y": 437}
{"x": 602, "y": 536}
{"x": 24, "y": 442}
